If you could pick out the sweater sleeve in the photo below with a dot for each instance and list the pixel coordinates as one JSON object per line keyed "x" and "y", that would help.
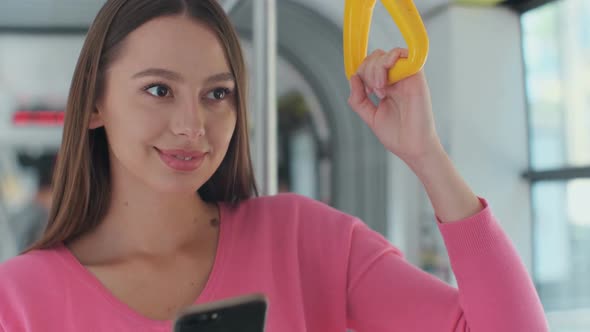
{"x": 495, "y": 293}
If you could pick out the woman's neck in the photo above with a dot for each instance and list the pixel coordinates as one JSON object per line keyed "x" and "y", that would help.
{"x": 146, "y": 223}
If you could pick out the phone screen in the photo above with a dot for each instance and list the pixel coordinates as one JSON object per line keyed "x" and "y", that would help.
{"x": 243, "y": 314}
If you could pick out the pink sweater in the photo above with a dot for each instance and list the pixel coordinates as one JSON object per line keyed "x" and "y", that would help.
{"x": 322, "y": 271}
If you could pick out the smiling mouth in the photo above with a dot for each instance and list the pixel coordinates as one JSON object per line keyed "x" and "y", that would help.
{"x": 182, "y": 154}
{"x": 182, "y": 160}
{"x": 180, "y": 157}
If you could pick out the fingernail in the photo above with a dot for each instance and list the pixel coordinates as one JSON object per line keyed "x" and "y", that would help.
{"x": 379, "y": 94}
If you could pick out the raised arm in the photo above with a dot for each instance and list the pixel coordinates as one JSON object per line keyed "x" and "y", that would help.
{"x": 386, "y": 293}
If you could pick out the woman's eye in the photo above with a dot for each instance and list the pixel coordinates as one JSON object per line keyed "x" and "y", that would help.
{"x": 159, "y": 90}
{"x": 219, "y": 93}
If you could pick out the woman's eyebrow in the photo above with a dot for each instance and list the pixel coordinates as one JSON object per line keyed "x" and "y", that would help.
{"x": 221, "y": 77}
{"x": 174, "y": 76}
{"x": 165, "y": 73}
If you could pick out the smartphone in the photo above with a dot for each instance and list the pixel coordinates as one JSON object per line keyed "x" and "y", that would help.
{"x": 238, "y": 314}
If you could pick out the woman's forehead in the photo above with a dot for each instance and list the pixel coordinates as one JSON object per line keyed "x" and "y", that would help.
{"x": 176, "y": 42}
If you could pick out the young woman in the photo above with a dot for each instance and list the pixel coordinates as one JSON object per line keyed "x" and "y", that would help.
{"x": 154, "y": 202}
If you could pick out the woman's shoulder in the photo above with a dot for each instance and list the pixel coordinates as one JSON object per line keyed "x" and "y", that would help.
{"x": 35, "y": 287}
{"x": 293, "y": 214}
{"x": 23, "y": 263}
{"x": 292, "y": 206}
{"x": 30, "y": 272}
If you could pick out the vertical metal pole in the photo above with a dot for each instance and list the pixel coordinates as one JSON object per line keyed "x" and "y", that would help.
{"x": 265, "y": 109}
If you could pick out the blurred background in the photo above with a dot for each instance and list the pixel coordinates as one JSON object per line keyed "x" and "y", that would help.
{"x": 510, "y": 83}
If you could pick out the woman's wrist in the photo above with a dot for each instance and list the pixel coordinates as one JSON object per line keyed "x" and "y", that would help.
{"x": 449, "y": 194}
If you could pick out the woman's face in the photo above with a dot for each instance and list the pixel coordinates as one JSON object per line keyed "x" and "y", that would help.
{"x": 168, "y": 106}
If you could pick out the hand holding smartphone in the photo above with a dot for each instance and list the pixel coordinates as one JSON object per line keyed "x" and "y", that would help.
{"x": 238, "y": 314}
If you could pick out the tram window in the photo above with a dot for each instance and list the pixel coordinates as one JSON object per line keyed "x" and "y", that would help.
{"x": 556, "y": 45}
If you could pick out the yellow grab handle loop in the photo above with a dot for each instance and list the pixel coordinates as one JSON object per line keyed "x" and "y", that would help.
{"x": 357, "y": 24}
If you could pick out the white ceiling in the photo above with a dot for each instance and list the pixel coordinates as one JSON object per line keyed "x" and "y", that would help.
{"x": 79, "y": 13}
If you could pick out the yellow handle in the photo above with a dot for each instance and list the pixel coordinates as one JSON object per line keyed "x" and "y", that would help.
{"x": 357, "y": 23}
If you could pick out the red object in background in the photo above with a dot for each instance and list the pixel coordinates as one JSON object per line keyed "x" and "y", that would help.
{"x": 38, "y": 118}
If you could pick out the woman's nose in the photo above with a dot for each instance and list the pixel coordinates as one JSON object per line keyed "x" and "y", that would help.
{"x": 189, "y": 121}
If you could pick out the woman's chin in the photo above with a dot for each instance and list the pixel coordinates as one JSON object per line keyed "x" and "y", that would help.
{"x": 177, "y": 188}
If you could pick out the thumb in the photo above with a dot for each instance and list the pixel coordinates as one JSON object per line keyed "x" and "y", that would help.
{"x": 360, "y": 102}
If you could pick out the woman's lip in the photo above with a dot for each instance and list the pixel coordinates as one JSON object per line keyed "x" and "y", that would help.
{"x": 182, "y": 153}
{"x": 170, "y": 160}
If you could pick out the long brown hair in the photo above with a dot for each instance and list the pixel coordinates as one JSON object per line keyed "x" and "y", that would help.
{"x": 82, "y": 182}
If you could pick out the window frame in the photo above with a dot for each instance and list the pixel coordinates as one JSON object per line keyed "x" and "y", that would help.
{"x": 532, "y": 175}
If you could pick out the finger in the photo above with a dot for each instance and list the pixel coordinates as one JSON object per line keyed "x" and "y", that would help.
{"x": 394, "y": 55}
{"x": 385, "y": 65}
{"x": 360, "y": 102}
{"x": 376, "y": 69}
{"x": 367, "y": 69}
{"x": 387, "y": 62}
{"x": 380, "y": 93}
{"x": 382, "y": 67}
{"x": 363, "y": 67}
{"x": 362, "y": 73}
